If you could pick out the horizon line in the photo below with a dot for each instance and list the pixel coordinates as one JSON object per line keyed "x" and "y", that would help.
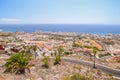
{"x": 52, "y": 24}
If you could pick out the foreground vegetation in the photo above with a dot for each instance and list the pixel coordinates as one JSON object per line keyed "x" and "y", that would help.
{"x": 63, "y": 71}
{"x": 103, "y": 55}
{"x": 18, "y": 63}
{"x": 45, "y": 62}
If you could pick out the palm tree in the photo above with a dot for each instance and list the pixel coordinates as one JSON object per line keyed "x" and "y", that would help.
{"x": 17, "y": 63}
{"x": 94, "y": 52}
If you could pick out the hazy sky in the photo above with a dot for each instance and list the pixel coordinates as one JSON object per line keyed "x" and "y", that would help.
{"x": 60, "y": 11}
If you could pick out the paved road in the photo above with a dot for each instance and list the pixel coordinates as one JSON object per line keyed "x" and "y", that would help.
{"x": 115, "y": 72}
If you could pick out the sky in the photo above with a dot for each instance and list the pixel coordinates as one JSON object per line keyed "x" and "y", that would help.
{"x": 59, "y": 11}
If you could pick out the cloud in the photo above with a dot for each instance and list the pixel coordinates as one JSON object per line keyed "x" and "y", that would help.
{"x": 9, "y": 20}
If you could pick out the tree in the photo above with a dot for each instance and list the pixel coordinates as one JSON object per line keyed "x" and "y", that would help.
{"x": 18, "y": 63}
{"x": 95, "y": 50}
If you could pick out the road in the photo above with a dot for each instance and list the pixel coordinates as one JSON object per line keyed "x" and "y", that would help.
{"x": 114, "y": 72}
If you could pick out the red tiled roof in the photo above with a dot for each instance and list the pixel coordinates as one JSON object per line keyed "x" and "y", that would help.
{"x": 49, "y": 48}
{"x": 41, "y": 45}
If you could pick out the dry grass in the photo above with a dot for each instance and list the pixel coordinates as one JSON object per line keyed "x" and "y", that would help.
{"x": 54, "y": 72}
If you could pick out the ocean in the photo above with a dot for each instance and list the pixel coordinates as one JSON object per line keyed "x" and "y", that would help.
{"x": 78, "y": 28}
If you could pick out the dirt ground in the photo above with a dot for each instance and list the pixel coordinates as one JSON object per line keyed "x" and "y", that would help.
{"x": 54, "y": 72}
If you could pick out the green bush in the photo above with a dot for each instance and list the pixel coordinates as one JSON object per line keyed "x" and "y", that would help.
{"x": 46, "y": 62}
{"x": 89, "y": 47}
{"x": 102, "y": 55}
{"x": 57, "y": 60}
{"x": 67, "y": 53}
{"x": 17, "y": 63}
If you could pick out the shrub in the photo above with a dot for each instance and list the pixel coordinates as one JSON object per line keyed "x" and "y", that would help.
{"x": 17, "y": 63}
{"x": 102, "y": 55}
{"x": 67, "y": 53}
{"x": 46, "y": 62}
{"x": 110, "y": 74}
{"x": 66, "y": 78}
{"x": 57, "y": 60}
{"x": 89, "y": 47}
{"x": 78, "y": 77}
